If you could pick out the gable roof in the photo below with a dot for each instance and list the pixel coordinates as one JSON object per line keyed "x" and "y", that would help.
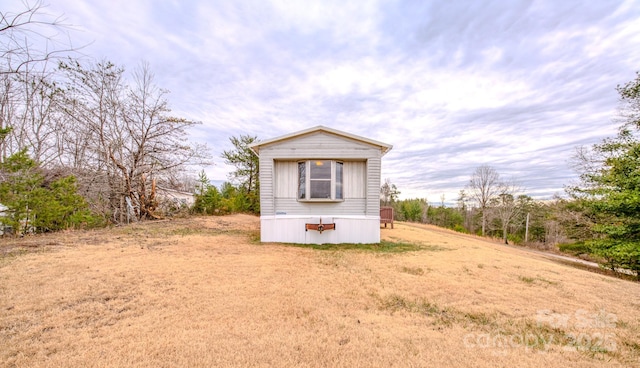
{"x": 255, "y": 147}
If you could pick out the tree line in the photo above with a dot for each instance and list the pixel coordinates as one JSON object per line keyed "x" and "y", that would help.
{"x": 599, "y": 217}
{"x": 242, "y": 192}
{"x": 487, "y": 206}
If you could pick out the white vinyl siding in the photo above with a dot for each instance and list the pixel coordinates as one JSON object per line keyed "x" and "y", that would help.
{"x": 373, "y": 187}
{"x": 266, "y": 185}
{"x": 355, "y": 179}
{"x": 286, "y": 179}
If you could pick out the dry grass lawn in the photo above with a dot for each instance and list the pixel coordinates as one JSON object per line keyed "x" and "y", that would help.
{"x": 204, "y": 292}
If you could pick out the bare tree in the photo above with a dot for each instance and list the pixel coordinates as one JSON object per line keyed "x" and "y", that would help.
{"x": 92, "y": 104}
{"x": 483, "y": 187}
{"x": 508, "y": 206}
{"x": 156, "y": 140}
{"x": 7, "y": 109}
{"x": 117, "y": 138}
{"x": 180, "y": 178}
{"x": 464, "y": 208}
{"x": 133, "y": 141}
{"x": 35, "y": 122}
{"x": 388, "y": 193}
{"x": 30, "y": 35}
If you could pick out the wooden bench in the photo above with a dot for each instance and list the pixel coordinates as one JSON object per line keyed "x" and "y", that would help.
{"x": 386, "y": 216}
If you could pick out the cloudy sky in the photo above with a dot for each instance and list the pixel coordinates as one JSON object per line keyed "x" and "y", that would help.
{"x": 452, "y": 85}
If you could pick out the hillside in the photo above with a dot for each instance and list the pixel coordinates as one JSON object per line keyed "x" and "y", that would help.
{"x": 205, "y": 292}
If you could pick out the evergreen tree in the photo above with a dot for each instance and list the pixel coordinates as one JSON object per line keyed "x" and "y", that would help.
{"x": 610, "y": 194}
{"x": 246, "y": 175}
{"x": 33, "y": 206}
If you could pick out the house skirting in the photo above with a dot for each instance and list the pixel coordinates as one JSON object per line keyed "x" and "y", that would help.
{"x": 292, "y": 229}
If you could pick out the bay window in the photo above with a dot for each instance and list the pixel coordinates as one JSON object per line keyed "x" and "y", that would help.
{"x": 320, "y": 180}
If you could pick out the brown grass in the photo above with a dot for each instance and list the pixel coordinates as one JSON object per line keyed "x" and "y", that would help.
{"x": 204, "y": 292}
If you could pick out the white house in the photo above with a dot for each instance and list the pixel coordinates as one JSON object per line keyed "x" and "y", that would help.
{"x": 320, "y": 185}
{"x": 3, "y": 228}
{"x": 176, "y": 197}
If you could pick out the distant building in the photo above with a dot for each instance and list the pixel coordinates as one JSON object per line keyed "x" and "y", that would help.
{"x": 4, "y": 229}
{"x": 176, "y": 197}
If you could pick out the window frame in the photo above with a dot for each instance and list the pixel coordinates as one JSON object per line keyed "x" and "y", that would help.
{"x": 337, "y": 172}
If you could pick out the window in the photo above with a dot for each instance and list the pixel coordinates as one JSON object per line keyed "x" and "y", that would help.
{"x": 320, "y": 180}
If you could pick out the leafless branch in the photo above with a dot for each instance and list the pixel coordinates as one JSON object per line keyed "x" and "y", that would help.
{"x": 31, "y": 36}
